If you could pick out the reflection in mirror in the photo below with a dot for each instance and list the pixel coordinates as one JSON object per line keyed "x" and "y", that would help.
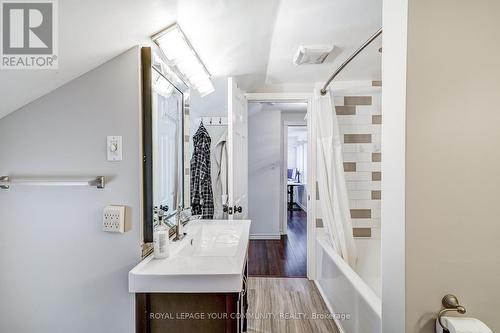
{"x": 208, "y": 152}
{"x": 163, "y": 143}
{"x": 167, "y": 145}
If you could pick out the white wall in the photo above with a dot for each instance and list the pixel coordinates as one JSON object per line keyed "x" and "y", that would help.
{"x": 214, "y": 104}
{"x": 292, "y": 153}
{"x": 452, "y": 160}
{"x": 60, "y": 272}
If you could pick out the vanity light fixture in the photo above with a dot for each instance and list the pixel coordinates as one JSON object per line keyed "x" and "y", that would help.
{"x": 181, "y": 56}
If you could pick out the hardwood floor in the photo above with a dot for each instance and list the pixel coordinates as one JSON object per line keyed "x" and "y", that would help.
{"x": 286, "y": 257}
{"x": 286, "y": 305}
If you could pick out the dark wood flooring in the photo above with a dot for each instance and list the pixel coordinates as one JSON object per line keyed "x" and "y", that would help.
{"x": 286, "y": 257}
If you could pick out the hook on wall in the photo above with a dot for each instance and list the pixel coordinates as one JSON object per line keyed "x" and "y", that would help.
{"x": 214, "y": 121}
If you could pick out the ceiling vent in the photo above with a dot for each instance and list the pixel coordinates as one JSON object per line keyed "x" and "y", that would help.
{"x": 315, "y": 54}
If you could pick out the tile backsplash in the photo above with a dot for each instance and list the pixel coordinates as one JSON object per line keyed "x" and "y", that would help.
{"x": 360, "y": 121}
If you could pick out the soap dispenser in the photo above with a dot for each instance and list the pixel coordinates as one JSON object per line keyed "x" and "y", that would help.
{"x": 161, "y": 240}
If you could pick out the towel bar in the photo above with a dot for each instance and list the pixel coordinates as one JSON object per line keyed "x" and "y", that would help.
{"x": 6, "y": 182}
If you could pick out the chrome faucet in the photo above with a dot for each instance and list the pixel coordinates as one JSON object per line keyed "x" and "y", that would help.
{"x": 180, "y": 218}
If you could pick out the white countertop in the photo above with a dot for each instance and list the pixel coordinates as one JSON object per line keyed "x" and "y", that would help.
{"x": 211, "y": 258}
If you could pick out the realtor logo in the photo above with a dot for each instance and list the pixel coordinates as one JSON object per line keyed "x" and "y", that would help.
{"x": 29, "y": 34}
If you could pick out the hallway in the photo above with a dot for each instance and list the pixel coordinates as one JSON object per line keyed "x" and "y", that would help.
{"x": 286, "y": 257}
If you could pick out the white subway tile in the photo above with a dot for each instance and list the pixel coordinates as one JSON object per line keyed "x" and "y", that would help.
{"x": 354, "y": 120}
{"x": 358, "y": 176}
{"x": 361, "y": 148}
{"x": 376, "y": 213}
{"x": 360, "y": 204}
{"x": 364, "y": 110}
{"x": 376, "y": 233}
{"x": 366, "y": 223}
{"x": 338, "y": 100}
{"x": 377, "y": 99}
{"x": 359, "y": 195}
{"x": 361, "y": 129}
{"x": 357, "y": 157}
{"x": 368, "y": 166}
{"x": 360, "y": 186}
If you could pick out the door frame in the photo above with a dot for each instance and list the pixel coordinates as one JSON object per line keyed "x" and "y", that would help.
{"x": 311, "y": 166}
{"x": 393, "y": 246}
{"x": 233, "y": 90}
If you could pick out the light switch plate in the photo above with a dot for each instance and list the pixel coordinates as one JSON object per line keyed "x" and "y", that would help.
{"x": 113, "y": 219}
{"x": 114, "y": 148}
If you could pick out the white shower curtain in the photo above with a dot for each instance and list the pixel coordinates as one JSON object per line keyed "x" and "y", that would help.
{"x": 332, "y": 187}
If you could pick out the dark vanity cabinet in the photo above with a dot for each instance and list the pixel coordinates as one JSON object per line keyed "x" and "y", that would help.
{"x": 192, "y": 312}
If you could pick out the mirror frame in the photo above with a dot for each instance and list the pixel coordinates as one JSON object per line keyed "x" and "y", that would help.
{"x": 147, "y": 139}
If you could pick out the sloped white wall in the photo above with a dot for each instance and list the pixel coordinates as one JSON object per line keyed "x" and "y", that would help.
{"x": 59, "y": 271}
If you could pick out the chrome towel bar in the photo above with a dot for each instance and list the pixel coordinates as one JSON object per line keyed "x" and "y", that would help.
{"x": 6, "y": 182}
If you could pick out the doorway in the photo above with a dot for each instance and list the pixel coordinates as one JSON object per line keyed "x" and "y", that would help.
{"x": 278, "y": 188}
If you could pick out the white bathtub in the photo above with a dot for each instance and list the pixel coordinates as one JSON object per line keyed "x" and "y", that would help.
{"x": 348, "y": 292}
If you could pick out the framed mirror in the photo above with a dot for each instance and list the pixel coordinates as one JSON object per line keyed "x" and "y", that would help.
{"x": 164, "y": 101}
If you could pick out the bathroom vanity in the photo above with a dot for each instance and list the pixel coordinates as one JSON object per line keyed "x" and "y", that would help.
{"x": 201, "y": 286}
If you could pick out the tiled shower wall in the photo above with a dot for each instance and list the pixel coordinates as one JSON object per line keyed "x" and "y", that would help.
{"x": 360, "y": 120}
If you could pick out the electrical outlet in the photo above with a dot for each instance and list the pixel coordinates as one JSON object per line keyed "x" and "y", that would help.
{"x": 114, "y": 219}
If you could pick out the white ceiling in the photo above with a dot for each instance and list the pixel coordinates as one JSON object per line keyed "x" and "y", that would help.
{"x": 346, "y": 24}
{"x": 253, "y": 40}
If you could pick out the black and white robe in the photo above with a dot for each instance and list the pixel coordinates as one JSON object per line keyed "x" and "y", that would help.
{"x": 202, "y": 200}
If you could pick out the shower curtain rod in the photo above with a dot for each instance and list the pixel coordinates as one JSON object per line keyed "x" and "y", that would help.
{"x": 345, "y": 63}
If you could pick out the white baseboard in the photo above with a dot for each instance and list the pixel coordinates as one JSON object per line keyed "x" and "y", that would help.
{"x": 265, "y": 236}
{"x": 329, "y": 306}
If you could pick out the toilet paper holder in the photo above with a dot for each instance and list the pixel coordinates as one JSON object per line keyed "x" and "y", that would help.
{"x": 450, "y": 303}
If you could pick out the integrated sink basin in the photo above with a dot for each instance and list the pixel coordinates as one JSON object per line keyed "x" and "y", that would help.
{"x": 211, "y": 258}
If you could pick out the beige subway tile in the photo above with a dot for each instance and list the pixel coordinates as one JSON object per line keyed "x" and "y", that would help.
{"x": 357, "y": 100}
{"x": 377, "y": 119}
{"x": 345, "y": 110}
{"x": 376, "y": 195}
{"x": 376, "y": 176}
{"x": 349, "y": 166}
{"x": 376, "y": 83}
{"x": 361, "y": 213}
{"x": 357, "y": 138}
{"x": 362, "y": 232}
{"x": 376, "y": 157}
